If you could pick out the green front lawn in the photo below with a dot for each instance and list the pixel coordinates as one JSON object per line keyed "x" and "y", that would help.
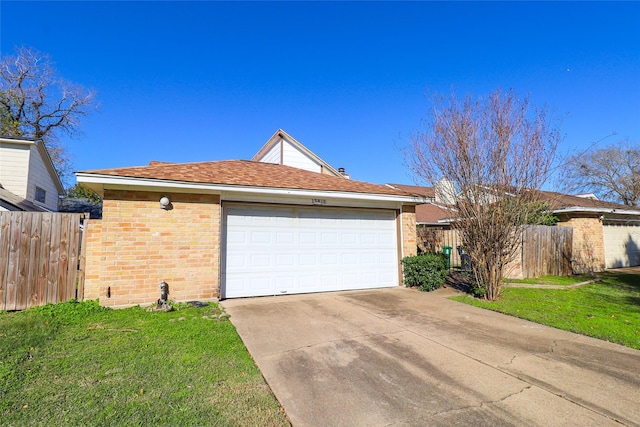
{"x": 554, "y": 280}
{"x": 81, "y": 364}
{"x": 609, "y": 309}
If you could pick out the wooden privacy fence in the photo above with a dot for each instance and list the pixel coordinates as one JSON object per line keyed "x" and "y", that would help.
{"x": 41, "y": 258}
{"x": 544, "y": 251}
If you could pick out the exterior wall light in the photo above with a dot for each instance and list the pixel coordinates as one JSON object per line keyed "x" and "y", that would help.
{"x": 165, "y": 203}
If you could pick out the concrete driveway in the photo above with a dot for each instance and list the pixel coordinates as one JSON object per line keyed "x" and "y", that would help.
{"x": 399, "y": 357}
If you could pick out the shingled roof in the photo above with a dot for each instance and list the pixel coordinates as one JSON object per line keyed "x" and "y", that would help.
{"x": 416, "y": 190}
{"x": 245, "y": 173}
{"x": 431, "y": 213}
{"x": 559, "y": 201}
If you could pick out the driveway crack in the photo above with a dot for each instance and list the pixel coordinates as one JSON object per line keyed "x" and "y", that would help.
{"x": 482, "y": 404}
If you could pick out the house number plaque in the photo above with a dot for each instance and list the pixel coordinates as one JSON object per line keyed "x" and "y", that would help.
{"x": 318, "y": 201}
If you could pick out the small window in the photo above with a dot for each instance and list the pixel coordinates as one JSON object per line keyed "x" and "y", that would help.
{"x": 41, "y": 194}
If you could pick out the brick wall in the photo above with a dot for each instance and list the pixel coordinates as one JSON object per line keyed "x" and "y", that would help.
{"x": 409, "y": 232}
{"x": 137, "y": 245}
{"x": 588, "y": 243}
{"x": 93, "y": 259}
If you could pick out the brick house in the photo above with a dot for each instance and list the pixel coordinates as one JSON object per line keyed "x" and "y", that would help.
{"x": 231, "y": 229}
{"x": 605, "y": 235}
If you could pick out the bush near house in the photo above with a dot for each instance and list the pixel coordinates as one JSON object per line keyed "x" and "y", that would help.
{"x": 427, "y": 271}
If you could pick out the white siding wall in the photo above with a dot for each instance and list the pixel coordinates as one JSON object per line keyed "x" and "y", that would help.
{"x": 272, "y": 156}
{"x": 39, "y": 175}
{"x": 14, "y": 167}
{"x": 293, "y": 157}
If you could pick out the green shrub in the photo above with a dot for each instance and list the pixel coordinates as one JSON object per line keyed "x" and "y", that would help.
{"x": 427, "y": 271}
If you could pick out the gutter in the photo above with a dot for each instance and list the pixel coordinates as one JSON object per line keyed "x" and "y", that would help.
{"x": 577, "y": 209}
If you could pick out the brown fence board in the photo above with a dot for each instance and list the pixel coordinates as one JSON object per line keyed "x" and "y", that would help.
{"x": 13, "y": 262}
{"x": 34, "y": 256}
{"x": 23, "y": 262}
{"x": 43, "y": 261}
{"x": 5, "y": 234}
{"x": 39, "y": 258}
{"x": 54, "y": 259}
{"x": 63, "y": 257}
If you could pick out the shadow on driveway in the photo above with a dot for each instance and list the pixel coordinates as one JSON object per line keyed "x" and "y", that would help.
{"x": 404, "y": 358}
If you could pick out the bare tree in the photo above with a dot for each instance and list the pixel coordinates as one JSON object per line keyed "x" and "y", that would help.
{"x": 495, "y": 150}
{"x": 612, "y": 173}
{"x": 36, "y": 103}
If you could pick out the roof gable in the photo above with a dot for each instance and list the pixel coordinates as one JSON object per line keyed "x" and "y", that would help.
{"x": 26, "y": 168}
{"x": 42, "y": 153}
{"x": 284, "y": 149}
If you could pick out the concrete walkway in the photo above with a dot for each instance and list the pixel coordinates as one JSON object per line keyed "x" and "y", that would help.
{"x": 399, "y": 357}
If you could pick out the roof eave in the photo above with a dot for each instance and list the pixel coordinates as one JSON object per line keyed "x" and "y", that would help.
{"x": 44, "y": 152}
{"x": 98, "y": 180}
{"x": 581, "y": 209}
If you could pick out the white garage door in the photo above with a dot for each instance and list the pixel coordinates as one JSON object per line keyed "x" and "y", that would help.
{"x": 273, "y": 250}
{"x": 621, "y": 244}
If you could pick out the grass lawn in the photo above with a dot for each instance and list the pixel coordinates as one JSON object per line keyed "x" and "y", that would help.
{"x": 609, "y": 309}
{"x": 77, "y": 364}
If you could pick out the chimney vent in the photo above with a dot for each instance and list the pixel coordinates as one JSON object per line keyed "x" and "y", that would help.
{"x": 343, "y": 173}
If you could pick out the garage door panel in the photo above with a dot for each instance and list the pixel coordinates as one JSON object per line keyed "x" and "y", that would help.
{"x": 349, "y": 258}
{"x": 236, "y": 261}
{"x": 348, "y": 239}
{"x": 237, "y": 237}
{"x": 307, "y": 237}
{"x": 329, "y": 260}
{"x": 285, "y": 237}
{"x": 621, "y": 244}
{"x": 285, "y": 260}
{"x": 285, "y": 282}
{"x": 308, "y": 259}
{"x": 329, "y": 238}
{"x": 275, "y": 250}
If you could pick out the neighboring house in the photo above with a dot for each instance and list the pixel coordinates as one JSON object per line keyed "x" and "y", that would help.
{"x": 230, "y": 229}
{"x": 80, "y": 205}
{"x": 28, "y": 180}
{"x": 438, "y": 207}
{"x": 283, "y": 149}
{"x": 605, "y": 235}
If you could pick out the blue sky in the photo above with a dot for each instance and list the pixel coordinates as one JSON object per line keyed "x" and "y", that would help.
{"x": 198, "y": 81}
